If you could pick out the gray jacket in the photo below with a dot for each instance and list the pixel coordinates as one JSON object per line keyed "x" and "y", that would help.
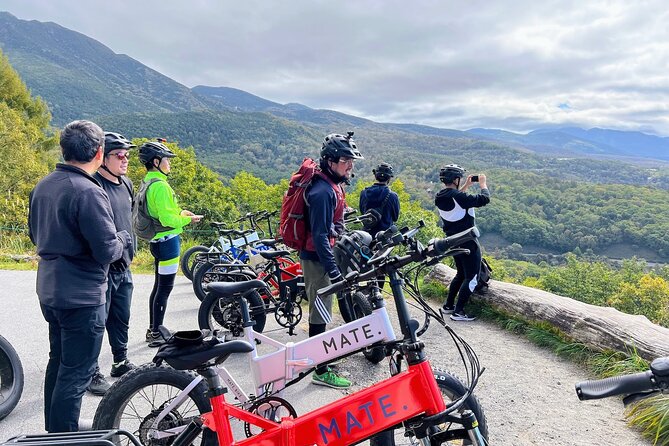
{"x": 72, "y": 225}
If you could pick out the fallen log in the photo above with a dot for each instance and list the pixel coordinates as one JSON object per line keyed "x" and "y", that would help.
{"x": 597, "y": 327}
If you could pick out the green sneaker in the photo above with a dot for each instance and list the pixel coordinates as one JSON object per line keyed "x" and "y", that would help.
{"x": 331, "y": 379}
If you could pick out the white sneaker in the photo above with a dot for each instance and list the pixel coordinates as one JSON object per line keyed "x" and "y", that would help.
{"x": 462, "y": 317}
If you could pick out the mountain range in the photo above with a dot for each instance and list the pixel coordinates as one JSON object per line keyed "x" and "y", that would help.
{"x": 80, "y": 77}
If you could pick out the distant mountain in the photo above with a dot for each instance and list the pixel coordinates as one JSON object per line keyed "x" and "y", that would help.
{"x": 81, "y": 78}
{"x": 226, "y": 98}
{"x": 578, "y": 141}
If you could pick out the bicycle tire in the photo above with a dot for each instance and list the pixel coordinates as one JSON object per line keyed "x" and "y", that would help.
{"x": 11, "y": 378}
{"x": 451, "y": 388}
{"x": 360, "y": 307}
{"x": 218, "y": 312}
{"x": 211, "y": 272}
{"x": 188, "y": 260}
{"x": 133, "y": 402}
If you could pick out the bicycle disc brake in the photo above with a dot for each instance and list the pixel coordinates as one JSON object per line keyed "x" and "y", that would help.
{"x": 272, "y": 408}
{"x": 288, "y": 314}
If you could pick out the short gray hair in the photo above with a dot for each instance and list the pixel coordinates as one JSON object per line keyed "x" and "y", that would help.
{"x": 80, "y": 140}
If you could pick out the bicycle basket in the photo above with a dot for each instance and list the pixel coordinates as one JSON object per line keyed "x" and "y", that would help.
{"x": 352, "y": 251}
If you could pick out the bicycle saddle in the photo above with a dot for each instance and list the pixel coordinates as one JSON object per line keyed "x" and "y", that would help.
{"x": 216, "y": 224}
{"x": 228, "y": 288}
{"x": 269, "y": 255}
{"x": 268, "y": 242}
{"x": 197, "y": 355}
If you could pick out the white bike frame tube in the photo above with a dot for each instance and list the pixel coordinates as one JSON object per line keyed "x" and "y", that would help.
{"x": 176, "y": 402}
{"x": 289, "y": 359}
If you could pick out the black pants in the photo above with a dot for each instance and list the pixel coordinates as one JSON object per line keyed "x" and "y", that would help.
{"x": 75, "y": 339}
{"x": 464, "y": 282}
{"x": 119, "y": 300}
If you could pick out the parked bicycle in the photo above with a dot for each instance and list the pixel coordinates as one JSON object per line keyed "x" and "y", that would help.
{"x": 188, "y": 260}
{"x": 11, "y": 378}
{"x": 282, "y": 296}
{"x": 163, "y": 405}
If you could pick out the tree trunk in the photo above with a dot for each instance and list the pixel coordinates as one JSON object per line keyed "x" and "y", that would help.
{"x": 597, "y": 327}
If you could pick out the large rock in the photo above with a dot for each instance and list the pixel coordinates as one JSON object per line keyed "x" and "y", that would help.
{"x": 597, "y": 327}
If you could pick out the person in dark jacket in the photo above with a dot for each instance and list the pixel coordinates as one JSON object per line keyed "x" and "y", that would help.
{"x": 379, "y": 196}
{"x": 111, "y": 176}
{"x": 326, "y": 202}
{"x": 72, "y": 225}
{"x": 456, "y": 210}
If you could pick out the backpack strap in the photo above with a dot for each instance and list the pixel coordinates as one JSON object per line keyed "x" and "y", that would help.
{"x": 127, "y": 185}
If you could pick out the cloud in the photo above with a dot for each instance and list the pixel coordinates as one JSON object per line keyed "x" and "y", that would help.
{"x": 453, "y": 64}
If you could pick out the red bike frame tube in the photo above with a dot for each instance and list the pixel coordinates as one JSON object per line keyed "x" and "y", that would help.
{"x": 347, "y": 420}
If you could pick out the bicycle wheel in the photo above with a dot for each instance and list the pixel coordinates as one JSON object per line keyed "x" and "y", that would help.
{"x": 218, "y": 312}
{"x": 451, "y": 388}
{"x": 11, "y": 378}
{"x": 360, "y": 307}
{"x": 209, "y": 272}
{"x": 137, "y": 398}
{"x": 188, "y": 260}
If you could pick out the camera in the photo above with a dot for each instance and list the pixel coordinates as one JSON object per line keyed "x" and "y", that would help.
{"x": 475, "y": 178}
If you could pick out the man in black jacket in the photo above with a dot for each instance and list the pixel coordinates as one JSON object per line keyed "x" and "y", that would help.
{"x": 72, "y": 225}
{"x": 111, "y": 176}
{"x": 456, "y": 209}
{"x": 379, "y": 196}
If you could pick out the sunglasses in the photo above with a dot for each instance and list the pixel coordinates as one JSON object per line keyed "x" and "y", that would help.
{"x": 121, "y": 156}
{"x": 346, "y": 160}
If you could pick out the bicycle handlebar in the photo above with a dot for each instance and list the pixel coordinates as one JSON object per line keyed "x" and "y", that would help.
{"x": 655, "y": 379}
{"x": 436, "y": 248}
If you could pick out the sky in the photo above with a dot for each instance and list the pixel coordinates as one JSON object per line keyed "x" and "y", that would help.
{"x": 515, "y": 65}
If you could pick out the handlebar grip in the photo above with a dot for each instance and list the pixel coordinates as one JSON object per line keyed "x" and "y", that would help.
{"x": 331, "y": 289}
{"x": 617, "y": 385}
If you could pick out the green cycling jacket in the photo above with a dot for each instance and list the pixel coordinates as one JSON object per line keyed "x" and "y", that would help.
{"x": 161, "y": 203}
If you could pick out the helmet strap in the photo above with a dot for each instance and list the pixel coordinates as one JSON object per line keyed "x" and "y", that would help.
{"x": 160, "y": 160}
{"x": 103, "y": 166}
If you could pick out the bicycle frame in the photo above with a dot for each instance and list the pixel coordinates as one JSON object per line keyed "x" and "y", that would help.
{"x": 346, "y": 421}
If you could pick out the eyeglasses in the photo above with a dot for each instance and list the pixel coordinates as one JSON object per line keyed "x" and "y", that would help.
{"x": 121, "y": 156}
{"x": 346, "y": 161}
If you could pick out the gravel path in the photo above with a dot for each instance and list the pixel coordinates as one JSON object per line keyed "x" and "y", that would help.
{"x": 527, "y": 392}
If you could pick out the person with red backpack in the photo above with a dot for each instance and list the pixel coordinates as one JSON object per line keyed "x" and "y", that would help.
{"x": 324, "y": 217}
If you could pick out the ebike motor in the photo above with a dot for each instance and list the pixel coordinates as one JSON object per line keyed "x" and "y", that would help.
{"x": 11, "y": 378}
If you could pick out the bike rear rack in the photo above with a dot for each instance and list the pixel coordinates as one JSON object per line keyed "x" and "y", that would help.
{"x": 83, "y": 438}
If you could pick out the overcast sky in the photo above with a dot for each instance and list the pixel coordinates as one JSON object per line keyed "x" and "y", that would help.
{"x": 516, "y": 65}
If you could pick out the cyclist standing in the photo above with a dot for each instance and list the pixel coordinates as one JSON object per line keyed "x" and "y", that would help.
{"x": 379, "y": 196}
{"x": 325, "y": 216}
{"x": 111, "y": 176}
{"x": 72, "y": 225}
{"x": 168, "y": 222}
{"x": 456, "y": 209}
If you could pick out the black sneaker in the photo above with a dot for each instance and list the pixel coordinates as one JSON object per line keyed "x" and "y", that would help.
{"x": 98, "y": 385}
{"x": 149, "y": 335}
{"x": 121, "y": 368}
{"x": 462, "y": 317}
{"x": 156, "y": 339}
{"x": 443, "y": 311}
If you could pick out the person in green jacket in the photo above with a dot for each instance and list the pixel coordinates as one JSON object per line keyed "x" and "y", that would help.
{"x": 165, "y": 246}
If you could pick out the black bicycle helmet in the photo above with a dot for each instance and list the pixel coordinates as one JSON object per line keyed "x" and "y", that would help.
{"x": 449, "y": 173}
{"x": 154, "y": 149}
{"x": 335, "y": 146}
{"x": 383, "y": 172}
{"x": 115, "y": 141}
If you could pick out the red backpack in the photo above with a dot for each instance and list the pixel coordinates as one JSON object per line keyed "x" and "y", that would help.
{"x": 293, "y": 226}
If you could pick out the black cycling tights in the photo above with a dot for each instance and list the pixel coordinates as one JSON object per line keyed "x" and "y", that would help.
{"x": 166, "y": 260}
{"x": 464, "y": 282}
